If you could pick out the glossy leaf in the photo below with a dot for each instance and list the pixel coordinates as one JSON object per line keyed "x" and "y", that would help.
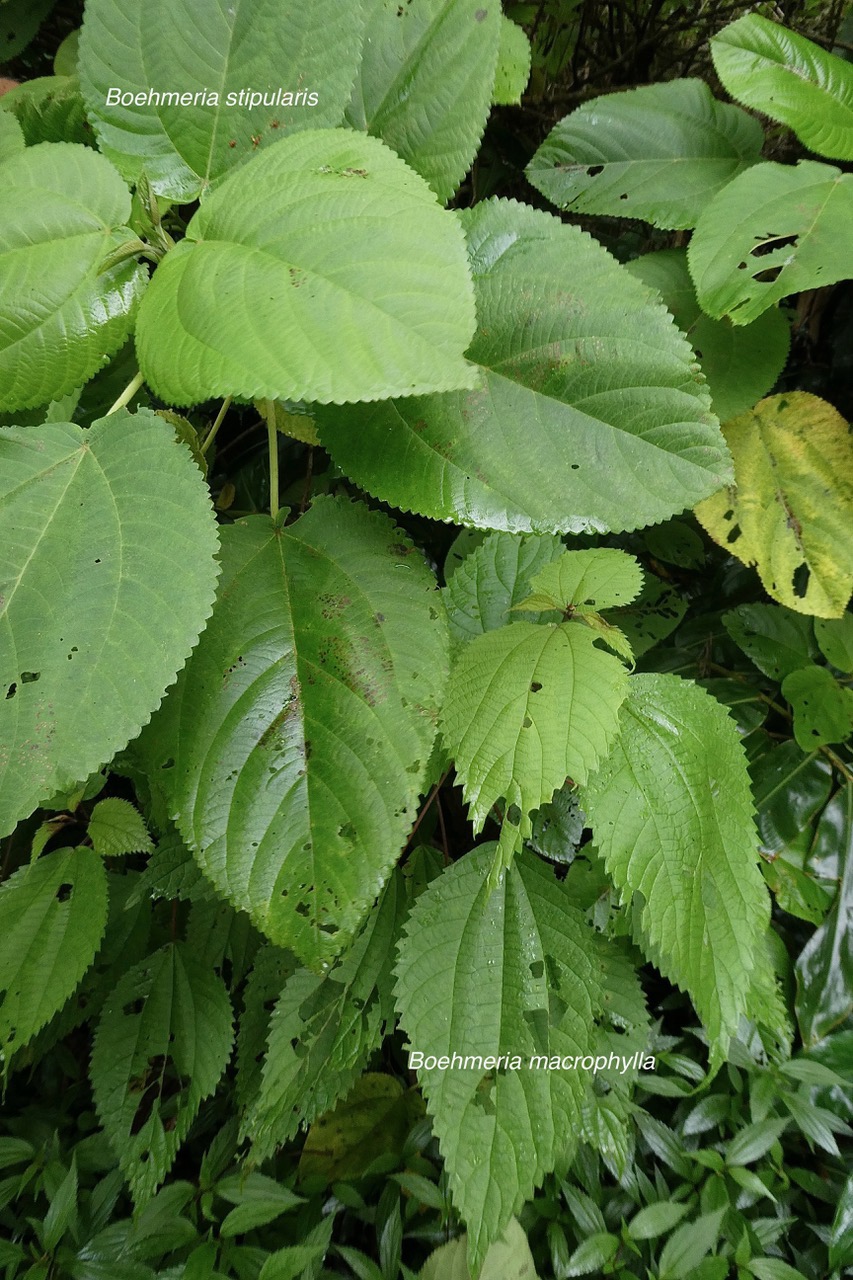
{"x": 108, "y": 571}
{"x": 204, "y": 48}
{"x": 295, "y": 744}
{"x": 825, "y": 965}
{"x": 425, "y": 82}
{"x": 777, "y": 640}
{"x": 841, "y": 1240}
{"x": 741, "y": 365}
{"x": 823, "y": 709}
{"x": 516, "y": 971}
{"x": 582, "y": 375}
{"x": 660, "y": 152}
{"x": 64, "y": 210}
{"x": 775, "y": 230}
{"x": 790, "y": 789}
{"x": 161, "y": 1046}
{"x": 835, "y": 638}
{"x": 790, "y": 511}
{"x": 324, "y": 271}
{"x": 791, "y": 80}
{"x": 671, "y": 812}
{"x": 52, "y": 917}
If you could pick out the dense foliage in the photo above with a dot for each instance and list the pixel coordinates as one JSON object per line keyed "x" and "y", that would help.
{"x": 425, "y": 743}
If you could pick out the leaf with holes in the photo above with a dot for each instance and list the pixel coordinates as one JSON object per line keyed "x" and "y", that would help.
{"x": 107, "y": 574}
{"x": 741, "y": 365}
{"x": 207, "y": 84}
{"x": 52, "y": 917}
{"x": 325, "y": 271}
{"x": 671, "y": 812}
{"x": 517, "y": 972}
{"x": 660, "y": 153}
{"x": 603, "y": 578}
{"x": 790, "y": 511}
{"x": 295, "y": 744}
{"x": 162, "y": 1044}
{"x": 776, "y": 230}
{"x": 823, "y": 709}
{"x": 777, "y": 640}
{"x": 425, "y": 82}
{"x": 514, "y": 59}
{"x": 789, "y": 79}
{"x": 64, "y": 210}
{"x": 583, "y": 375}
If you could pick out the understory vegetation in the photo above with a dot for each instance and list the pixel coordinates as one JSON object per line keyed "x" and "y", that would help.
{"x": 426, "y": 670}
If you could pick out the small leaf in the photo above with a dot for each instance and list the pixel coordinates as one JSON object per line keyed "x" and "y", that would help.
{"x": 514, "y": 58}
{"x": 777, "y": 640}
{"x": 790, "y": 79}
{"x": 52, "y": 918}
{"x": 601, "y": 579}
{"x": 656, "y": 1219}
{"x": 61, "y": 1216}
{"x": 823, "y": 709}
{"x": 774, "y": 1269}
{"x": 49, "y": 109}
{"x": 790, "y": 511}
{"x": 11, "y": 137}
{"x": 835, "y": 638}
{"x": 257, "y": 1200}
{"x": 660, "y": 153}
{"x": 841, "y": 1239}
{"x": 484, "y": 591}
{"x": 824, "y": 968}
{"x": 686, "y": 1247}
{"x": 116, "y": 827}
{"x": 161, "y": 1046}
{"x": 754, "y": 1141}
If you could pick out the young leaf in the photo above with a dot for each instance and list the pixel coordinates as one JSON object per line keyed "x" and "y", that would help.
{"x": 296, "y": 741}
{"x": 823, "y": 709}
{"x": 777, "y": 640}
{"x": 324, "y": 271}
{"x": 603, "y": 578}
{"x": 740, "y": 365}
{"x": 425, "y": 82}
{"x": 660, "y": 153}
{"x": 49, "y": 109}
{"x": 790, "y": 79}
{"x": 60, "y": 314}
{"x": 583, "y": 376}
{"x": 52, "y": 917}
{"x": 11, "y": 137}
{"x": 116, "y": 827}
{"x": 686, "y": 1247}
{"x": 482, "y": 593}
{"x": 790, "y": 511}
{"x": 162, "y": 1044}
{"x": 108, "y": 542}
{"x": 777, "y": 229}
{"x": 183, "y": 47}
{"x": 513, "y": 972}
{"x": 509, "y": 1258}
{"x": 671, "y": 812}
{"x": 514, "y": 58}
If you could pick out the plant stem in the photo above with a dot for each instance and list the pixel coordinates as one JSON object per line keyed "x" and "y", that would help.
{"x": 126, "y": 395}
{"x": 217, "y": 423}
{"x": 272, "y": 441}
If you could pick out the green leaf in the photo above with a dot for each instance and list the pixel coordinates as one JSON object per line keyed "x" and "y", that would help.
{"x": 558, "y": 827}
{"x": 507, "y": 1259}
{"x": 527, "y": 707}
{"x": 108, "y": 574}
{"x": 655, "y": 614}
{"x": 257, "y": 1200}
{"x": 308, "y": 712}
{"x": 583, "y": 376}
{"x": 777, "y": 640}
{"x": 660, "y": 153}
{"x": 835, "y": 638}
{"x": 62, "y": 1213}
{"x": 686, "y": 1247}
{"x": 790, "y": 79}
{"x": 790, "y": 789}
{"x": 774, "y": 1269}
{"x": 324, "y": 271}
{"x": 790, "y": 511}
{"x": 656, "y": 1219}
{"x": 740, "y": 365}
{"x": 425, "y": 82}
{"x": 823, "y": 709}
{"x": 162, "y": 1044}
{"x": 825, "y": 966}
{"x": 754, "y": 1141}
{"x": 593, "y": 1254}
{"x": 482, "y": 593}
{"x": 513, "y": 972}
{"x": 60, "y": 315}
{"x": 49, "y": 109}
{"x": 371, "y": 1123}
{"x": 19, "y": 22}
{"x": 191, "y": 48}
{"x": 11, "y": 137}
{"x": 116, "y": 827}
{"x": 671, "y": 812}
{"x": 172, "y": 872}
{"x": 602, "y": 578}
{"x": 841, "y": 1239}
{"x": 52, "y": 918}
{"x": 514, "y": 58}
{"x": 775, "y": 230}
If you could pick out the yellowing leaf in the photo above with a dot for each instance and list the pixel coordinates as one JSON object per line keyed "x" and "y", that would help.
{"x": 790, "y": 511}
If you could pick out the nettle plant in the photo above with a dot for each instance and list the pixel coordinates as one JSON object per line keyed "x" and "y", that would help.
{"x": 283, "y": 689}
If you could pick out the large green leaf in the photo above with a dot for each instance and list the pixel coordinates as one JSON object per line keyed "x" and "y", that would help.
{"x": 590, "y": 413}
{"x": 789, "y": 79}
{"x": 324, "y": 1028}
{"x": 789, "y": 513}
{"x": 325, "y": 270}
{"x": 825, "y": 966}
{"x": 162, "y": 1043}
{"x": 107, "y": 575}
{"x": 296, "y": 741}
{"x": 514, "y": 972}
{"x": 205, "y": 50}
{"x": 671, "y": 812}
{"x": 64, "y": 209}
{"x": 425, "y": 82}
{"x": 775, "y": 230}
{"x": 741, "y": 365}
{"x": 52, "y": 918}
{"x": 660, "y": 153}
